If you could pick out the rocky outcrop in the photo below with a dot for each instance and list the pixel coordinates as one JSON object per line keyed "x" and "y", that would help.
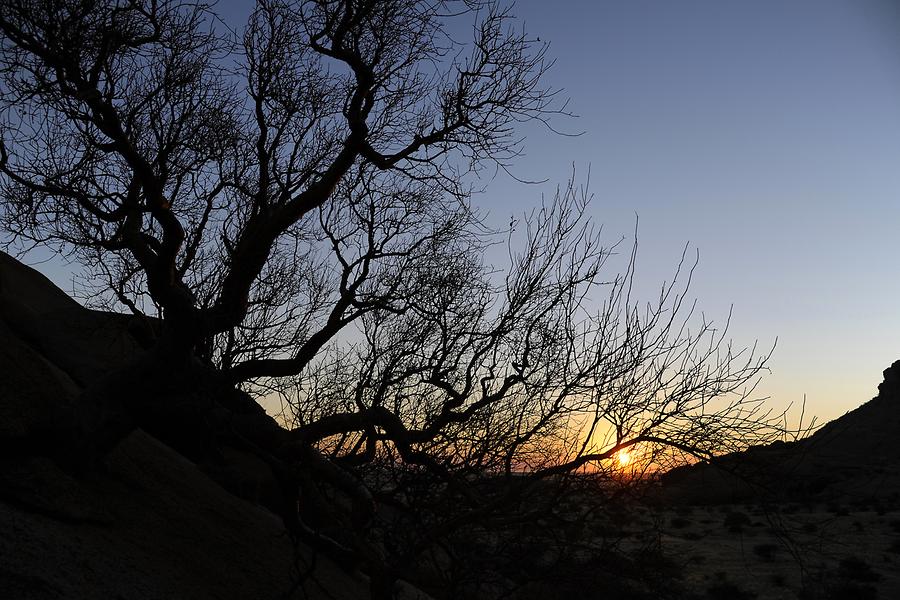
{"x": 84, "y": 344}
{"x": 890, "y": 387}
{"x": 146, "y": 523}
{"x": 854, "y": 458}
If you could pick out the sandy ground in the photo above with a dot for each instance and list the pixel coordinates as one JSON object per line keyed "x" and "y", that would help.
{"x": 776, "y": 552}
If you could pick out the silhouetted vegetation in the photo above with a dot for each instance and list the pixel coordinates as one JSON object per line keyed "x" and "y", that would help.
{"x": 286, "y": 213}
{"x": 723, "y": 589}
{"x": 766, "y": 552}
{"x": 736, "y": 521}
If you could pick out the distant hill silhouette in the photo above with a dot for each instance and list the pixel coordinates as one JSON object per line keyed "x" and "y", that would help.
{"x": 854, "y": 458}
{"x": 148, "y": 523}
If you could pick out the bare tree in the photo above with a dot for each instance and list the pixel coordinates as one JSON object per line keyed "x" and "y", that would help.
{"x": 292, "y": 203}
{"x": 129, "y": 130}
{"x": 480, "y": 399}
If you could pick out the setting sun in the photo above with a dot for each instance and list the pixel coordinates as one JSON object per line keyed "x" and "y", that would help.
{"x": 623, "y": 458}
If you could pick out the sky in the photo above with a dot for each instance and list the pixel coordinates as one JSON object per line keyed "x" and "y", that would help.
{"x": 764, "y": 134}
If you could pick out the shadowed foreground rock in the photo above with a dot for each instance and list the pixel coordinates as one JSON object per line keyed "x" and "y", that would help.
{"x": 145, "y": 523}
{"x": 151, "y": 526}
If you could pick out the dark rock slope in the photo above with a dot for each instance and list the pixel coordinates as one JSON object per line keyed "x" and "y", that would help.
{"x": 146, "y": 523}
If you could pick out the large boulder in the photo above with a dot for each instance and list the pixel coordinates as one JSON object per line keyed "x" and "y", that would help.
{"x": 146, "y": 523}
{"x": 152, "y": 526}
{"x": 85, "y": 344}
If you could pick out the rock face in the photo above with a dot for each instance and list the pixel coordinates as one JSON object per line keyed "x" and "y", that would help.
{"x": 148, "y": 524}
{"x": 890, "y": 387}
{"x": 151, "y": 526}
{"x": 83, "y": 343}
{"x": 854, "y": 458}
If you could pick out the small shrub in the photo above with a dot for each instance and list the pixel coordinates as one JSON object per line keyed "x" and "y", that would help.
{"x": 838, "y": 510}
{"x": 726, "y": 590}
{"x": 736, "y": 521}
{"x": 851, "y": 590}
{"x": 766, "y": 552}
{"x": 835, "y": 587}
{"x": 854, "y": 568}
{"x": 851, "y": 580}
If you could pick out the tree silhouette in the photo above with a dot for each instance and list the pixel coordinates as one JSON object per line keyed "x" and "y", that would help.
{"x": 292, "y": 204}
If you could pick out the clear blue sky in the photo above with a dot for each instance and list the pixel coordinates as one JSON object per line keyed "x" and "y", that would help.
{"x": 766, "y": 134}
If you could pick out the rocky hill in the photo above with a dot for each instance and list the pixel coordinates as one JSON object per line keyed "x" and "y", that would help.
{"x": 854, "y": 458}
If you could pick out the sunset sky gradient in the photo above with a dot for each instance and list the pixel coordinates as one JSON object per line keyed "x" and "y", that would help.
{"x": 766, "y": 135}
